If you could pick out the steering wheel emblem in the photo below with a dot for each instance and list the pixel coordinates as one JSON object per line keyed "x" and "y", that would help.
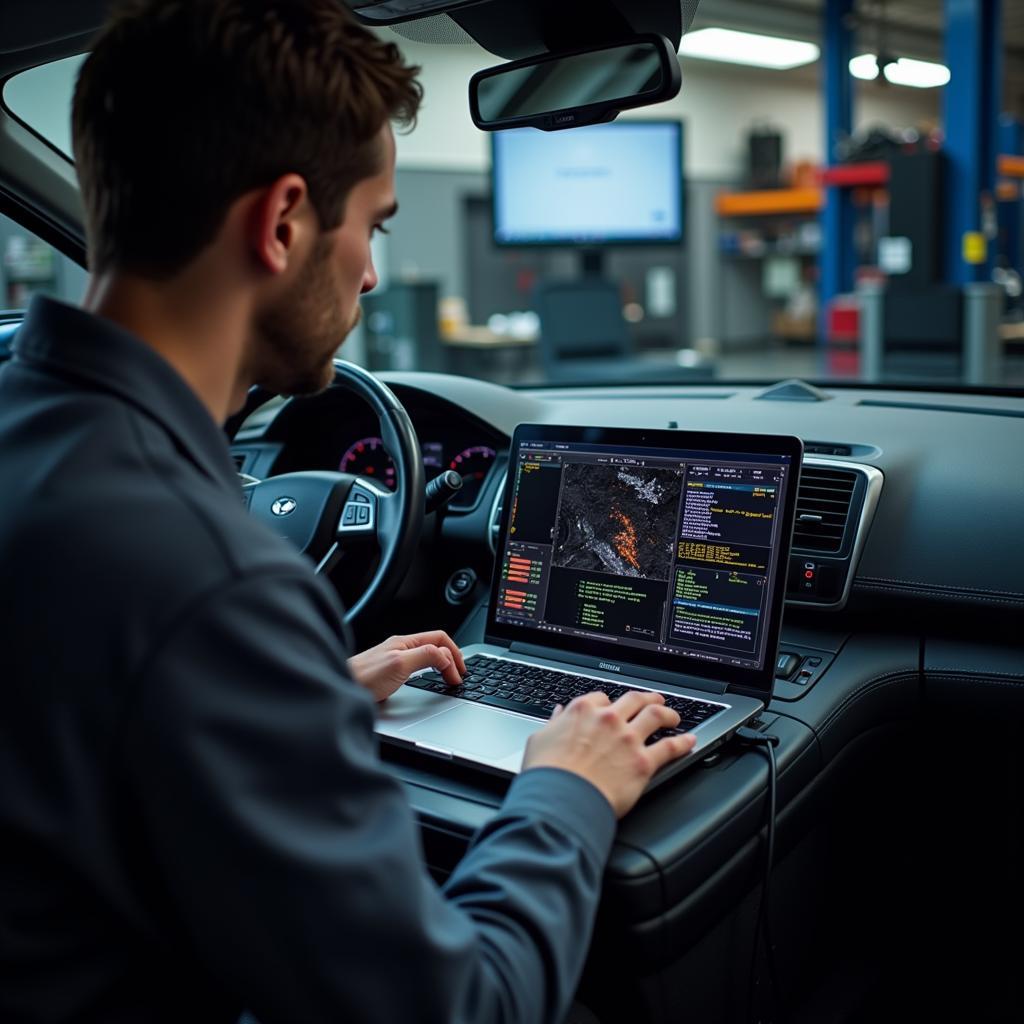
{"x": 284, "y": 506}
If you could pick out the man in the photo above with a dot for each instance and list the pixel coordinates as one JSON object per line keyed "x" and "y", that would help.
{"x": 194, "y": 819}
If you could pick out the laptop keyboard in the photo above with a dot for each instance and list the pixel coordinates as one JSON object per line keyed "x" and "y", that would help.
{"x": 535, "y": 691}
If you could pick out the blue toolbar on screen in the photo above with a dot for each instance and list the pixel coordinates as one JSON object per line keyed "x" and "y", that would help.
{"x": 605, "y": 183}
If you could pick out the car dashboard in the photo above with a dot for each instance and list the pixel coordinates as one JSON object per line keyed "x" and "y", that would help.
{"x": 907, "y": 498}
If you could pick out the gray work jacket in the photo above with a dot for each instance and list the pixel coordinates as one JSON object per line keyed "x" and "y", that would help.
{"x": 193, "y": 816}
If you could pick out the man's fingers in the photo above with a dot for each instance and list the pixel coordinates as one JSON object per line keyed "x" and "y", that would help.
{"x": 671, "y": 748}
{"x": 429, "y": 656}
{"x": 594, "y": 697}
{"x": 439, "y": 638}
{"x": 654, "y": 717}
{"x": 629, "y": 705}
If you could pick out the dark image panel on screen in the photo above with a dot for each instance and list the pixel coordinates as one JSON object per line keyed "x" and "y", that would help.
{"x": 601, "y": 603}
{"x": 535, "y": 502}
{"x": 618, "y": 519}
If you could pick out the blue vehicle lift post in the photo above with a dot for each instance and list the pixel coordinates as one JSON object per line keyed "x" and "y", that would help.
{"x": 838, "y": 256}
{"x": 971, "y": 102}
{"x": 1010, "y": 136}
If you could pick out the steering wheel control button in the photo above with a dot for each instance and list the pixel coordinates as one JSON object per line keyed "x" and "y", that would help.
{"x": 786, "y": 665}
{"x": 459, "y": 586}
{"x": 284, "y": 506}
{"x": 357, "y": 516}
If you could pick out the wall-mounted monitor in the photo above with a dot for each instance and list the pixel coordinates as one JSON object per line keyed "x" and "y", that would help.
{"x": 607, "y": 184}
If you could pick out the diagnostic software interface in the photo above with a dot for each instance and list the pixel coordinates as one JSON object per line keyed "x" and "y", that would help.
{"x": 670, "y": 551}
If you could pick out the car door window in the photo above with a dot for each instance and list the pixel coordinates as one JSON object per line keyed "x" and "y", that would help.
{"x": 30, "y": 266}
{"x": 41, "y": 98}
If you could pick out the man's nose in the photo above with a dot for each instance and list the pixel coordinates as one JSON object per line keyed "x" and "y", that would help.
{"x": 370, "y": 279}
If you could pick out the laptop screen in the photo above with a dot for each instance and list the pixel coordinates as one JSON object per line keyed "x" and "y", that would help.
{"x": 663, "y": 548}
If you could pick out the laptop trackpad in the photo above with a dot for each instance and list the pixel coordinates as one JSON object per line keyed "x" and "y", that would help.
{"x": 474, "y": 731}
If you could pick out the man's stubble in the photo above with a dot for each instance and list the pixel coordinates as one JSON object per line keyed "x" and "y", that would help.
{"x": 300, "y": 335}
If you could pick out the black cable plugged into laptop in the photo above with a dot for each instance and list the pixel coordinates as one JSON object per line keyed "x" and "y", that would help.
{"x": 762, "y": 921}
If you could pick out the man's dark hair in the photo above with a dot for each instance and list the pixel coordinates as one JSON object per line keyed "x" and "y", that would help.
{"x": 185, "y": 105}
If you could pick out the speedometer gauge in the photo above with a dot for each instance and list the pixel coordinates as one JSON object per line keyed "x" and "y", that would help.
{"x": 472, "y": 465}
{"x": 367, "y": 457}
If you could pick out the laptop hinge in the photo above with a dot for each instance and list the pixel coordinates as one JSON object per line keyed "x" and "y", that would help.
{"x": 625, "y": 667}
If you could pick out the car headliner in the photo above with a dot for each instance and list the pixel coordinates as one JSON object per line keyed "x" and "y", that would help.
{"x": 34, "y": 32}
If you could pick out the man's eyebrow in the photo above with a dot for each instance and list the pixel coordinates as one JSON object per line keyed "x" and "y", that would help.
{"x": 388, "y": 212}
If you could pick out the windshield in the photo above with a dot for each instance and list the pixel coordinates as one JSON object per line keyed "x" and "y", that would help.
{"x": 685, "y": 242}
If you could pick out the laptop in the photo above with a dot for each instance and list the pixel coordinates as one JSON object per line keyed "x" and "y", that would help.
{"x": 626, "y": 559}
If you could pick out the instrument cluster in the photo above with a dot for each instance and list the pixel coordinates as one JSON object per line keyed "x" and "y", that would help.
{"x": 368, "y": 457}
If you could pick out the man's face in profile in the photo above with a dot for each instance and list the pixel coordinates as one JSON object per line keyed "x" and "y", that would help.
{"x": 300, "y": 334}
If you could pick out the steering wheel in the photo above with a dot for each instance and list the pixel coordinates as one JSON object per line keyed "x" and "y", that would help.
{"x": 325, "y": 513}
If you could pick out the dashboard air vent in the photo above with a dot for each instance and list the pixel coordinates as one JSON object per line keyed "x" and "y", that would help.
{"x": 239, "y": 460}
{"x": 822, "y": 508}
{"x": 821, "y": 448}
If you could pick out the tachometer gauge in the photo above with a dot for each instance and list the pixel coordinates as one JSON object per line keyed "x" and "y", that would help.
{"x": 367, "y": 457}
{"x": 472, "y": 465}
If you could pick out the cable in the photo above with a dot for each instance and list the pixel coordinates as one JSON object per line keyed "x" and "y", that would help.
{"x": 762, "y": 920}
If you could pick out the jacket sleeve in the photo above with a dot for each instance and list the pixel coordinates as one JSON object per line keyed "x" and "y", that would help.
{"x": 293, "y": 858}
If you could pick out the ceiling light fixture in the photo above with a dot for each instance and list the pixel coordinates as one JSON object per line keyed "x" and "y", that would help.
{"x": 731, "y": 47}
{"x": 864, "y": 67}
{"x": 920, "y": 74}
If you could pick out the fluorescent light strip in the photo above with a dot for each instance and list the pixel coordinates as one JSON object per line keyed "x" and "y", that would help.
{"x": 864, "y": 67}
{"x": 920, "y": 74}
{"x": 730, "y": 47}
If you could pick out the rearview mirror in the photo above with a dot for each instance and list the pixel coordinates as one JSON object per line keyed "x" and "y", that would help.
{"x": 566, "y": 90}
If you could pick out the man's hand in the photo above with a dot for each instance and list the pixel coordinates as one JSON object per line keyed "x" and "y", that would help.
{"x": 383, "y": 669}
{"x": 604, "y": 743}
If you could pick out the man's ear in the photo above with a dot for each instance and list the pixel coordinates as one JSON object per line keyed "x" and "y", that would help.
{"x": 277, "y": 222}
